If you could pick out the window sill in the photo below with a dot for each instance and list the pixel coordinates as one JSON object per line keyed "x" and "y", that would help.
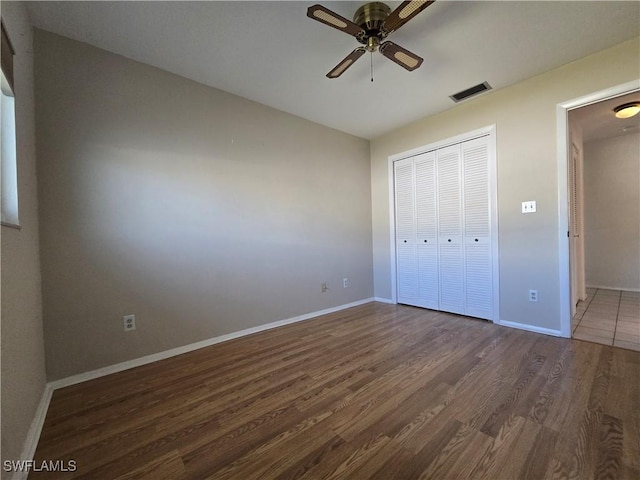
{"x": 11, "y": 225}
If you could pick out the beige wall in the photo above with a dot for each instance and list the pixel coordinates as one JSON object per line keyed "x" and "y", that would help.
{"x": 23, "y": 365}
{"x": 200, "y": 212}
{"x": 525, "y": 116}
{"x": 612, "y": 212}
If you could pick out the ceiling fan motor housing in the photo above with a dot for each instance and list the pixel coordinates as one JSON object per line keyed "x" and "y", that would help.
{"x": 370, "y": 18}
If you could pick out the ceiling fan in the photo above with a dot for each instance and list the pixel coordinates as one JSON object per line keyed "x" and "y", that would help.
{"x": 372, "y": 23}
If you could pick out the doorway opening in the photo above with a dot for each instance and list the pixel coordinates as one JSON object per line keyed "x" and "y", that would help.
{"x": 592, "y": 290}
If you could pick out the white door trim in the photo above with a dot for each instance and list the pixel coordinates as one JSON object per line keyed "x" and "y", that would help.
{"x": 489, "y": 131}
{"x": 562, "y": 129}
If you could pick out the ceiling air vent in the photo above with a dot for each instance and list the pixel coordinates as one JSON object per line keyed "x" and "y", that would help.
{"x": 470, "y": 92}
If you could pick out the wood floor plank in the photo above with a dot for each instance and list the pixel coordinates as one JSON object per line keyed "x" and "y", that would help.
{"x": 539, "y": 455}
{"x": 450, "y": 454}
{"x": 461, "y": 466}
{"x": 618, "y": 405}
{"x": 609, "y": 452}
{"x": 429, "y": 452}
{"x": 363, "y": 453}
{"x": 500, "y": 450}
{"x": 375, "y": 391}
{"x": 166, "y": 467}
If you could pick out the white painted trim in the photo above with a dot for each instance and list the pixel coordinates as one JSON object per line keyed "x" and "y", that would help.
{"x": 392, "y": 230}
{"x": 35, "y": 429}
{"x": 119, "y": 367}
{"x": 493, "y": 219}
{"x": 607, "y": 287}
{"x": 562, "y": 126}
{"x": 562, "y": 134}
{"x": 490, "y": 131}
{"x": 530, "y": 328}
{"x": 384, "y": 300}
{"x": 463, "y": 137}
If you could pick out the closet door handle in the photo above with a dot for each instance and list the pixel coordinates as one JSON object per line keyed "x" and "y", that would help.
{"x": 405, "y": 241}
{"x": 476, "y": 239}
{"x": 425, "y": 241}
{"x": 449, "y": 240}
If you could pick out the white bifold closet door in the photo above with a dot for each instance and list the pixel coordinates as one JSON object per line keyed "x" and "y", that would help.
{"x": 478, "y": 265}
{"x": 406, "y": 253}
{"x": 427, "y": 230}
{"x": 443, "y": 230}
{"x": 449, "y": 186}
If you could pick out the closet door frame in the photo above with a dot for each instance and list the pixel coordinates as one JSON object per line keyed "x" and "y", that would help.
{"x": 490, "y": 132}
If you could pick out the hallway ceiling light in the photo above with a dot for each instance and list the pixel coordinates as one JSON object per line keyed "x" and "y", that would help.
{"x": 627, "y": 110}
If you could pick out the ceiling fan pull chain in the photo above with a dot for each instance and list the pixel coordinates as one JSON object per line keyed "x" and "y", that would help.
{"x": 371, "y": 57}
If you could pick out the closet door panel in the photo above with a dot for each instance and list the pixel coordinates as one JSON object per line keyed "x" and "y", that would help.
{"x": 407, "y": 274}
{"x": 478, "y": 279}
{"x": 427, "y": 229}
{"x": 405, "y": 205}
{"x": 451, "y": 278}
{"x": 406, "y": 253}
{"x": 449, "y": 194}
{"x": 475, "y": 166}
{"x": 451, "y": 272}
{"x": 428, "y": 281}
{"x": 477, "y": 229}
{"x": 426, "y": 186}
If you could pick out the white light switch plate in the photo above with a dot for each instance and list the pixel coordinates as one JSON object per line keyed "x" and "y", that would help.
{"x": 529, "y": 206}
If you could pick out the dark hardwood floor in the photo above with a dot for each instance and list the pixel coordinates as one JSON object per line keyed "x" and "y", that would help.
{"x": 372, "y": 392}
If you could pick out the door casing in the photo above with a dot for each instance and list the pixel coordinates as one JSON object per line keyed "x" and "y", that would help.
{"x": 564, "y": 223}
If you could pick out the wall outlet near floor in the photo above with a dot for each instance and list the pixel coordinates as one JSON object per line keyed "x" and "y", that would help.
{"x": 345, "y": 283}
{"x": 533, "y": 295}
{"x": 324, "y": 287}
{"x": 129, "y": 322}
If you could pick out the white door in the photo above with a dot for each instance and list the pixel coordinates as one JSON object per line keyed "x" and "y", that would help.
{"x": 444, "y": 216}
{"x": 406, "y": 253}
{"x": 478, "y": 265}
{"x": 427, "y": 230}
{"x": 576, "y": 250}
{"x": 451, "y": 273}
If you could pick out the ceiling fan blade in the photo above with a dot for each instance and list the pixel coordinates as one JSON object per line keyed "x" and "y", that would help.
{"x": 326, "y": 16}
{"x": 401, "y": 56}
{"x": 405, "y": 12}
{"x": 346, "y": 63}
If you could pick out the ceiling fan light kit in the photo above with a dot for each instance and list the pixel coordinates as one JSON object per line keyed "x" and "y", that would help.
{"x": 371, "y": 25}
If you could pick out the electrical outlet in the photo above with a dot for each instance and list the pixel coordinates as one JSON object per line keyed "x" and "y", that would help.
{"x": 129, "y": 322}
{"x": 533, "y": 295}
{"x": 324, "y": 287}
{"x": 345, "y": 283}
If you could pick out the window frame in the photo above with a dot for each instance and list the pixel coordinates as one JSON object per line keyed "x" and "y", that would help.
{"x": 10, "y": 209}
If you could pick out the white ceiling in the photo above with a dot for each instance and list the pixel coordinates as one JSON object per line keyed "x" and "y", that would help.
{"x": 597, "y": 121}
{"x": 272, "y": 53}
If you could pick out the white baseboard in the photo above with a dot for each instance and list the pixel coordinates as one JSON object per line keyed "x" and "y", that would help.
{"x": 530, "y": 328}
{"x": 33, "y": 435}
{"x": 384, "y": 300}
{"x": 607, "y": 287}
{"x": 119, "y": 367}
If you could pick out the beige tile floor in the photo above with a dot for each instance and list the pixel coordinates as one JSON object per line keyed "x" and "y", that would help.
{"x": 610, "y": 317}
